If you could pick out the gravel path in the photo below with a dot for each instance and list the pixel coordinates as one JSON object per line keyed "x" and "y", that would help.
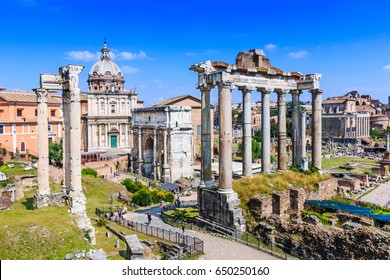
{"x": 216, "y": 248}
{"x": 380, "y": 195}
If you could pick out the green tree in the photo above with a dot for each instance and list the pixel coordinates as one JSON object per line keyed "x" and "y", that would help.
{"x": 180, "y": 215}
{"x": 89, "y": 171}
{"x": 256, "y": 149}
{"x": 55, "y": 152}
{"x": 132, "y": 186}
{"x": 143, "y": 197}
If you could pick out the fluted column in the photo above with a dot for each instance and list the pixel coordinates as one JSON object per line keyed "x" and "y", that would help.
{"x": 66, "y": 144}
{"x": 266, "y": 131}
{"x": 247, "y": 132}
{"x": 316, "y": 128}
{"x": 166, "y": 170}
{"x": 302, "y": 129}
{"x": 282, "y": 130}
{"x": 42, "y": 143}
{"x": 225, "y": 137}
{"x": 71, "y": 91}
{"x": 206, "y": 145}
{"x": 295, "y": 127}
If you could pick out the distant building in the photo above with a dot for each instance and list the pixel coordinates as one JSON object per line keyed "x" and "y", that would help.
{"x": 163, "y": 143}
{"x": 196, "y": 114}
{"x": 18, "y": 120}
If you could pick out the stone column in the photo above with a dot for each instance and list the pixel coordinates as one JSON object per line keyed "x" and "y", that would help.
{"x": 140, "y": 151}
{"x": 107, "y": 142}
{"x": 42, "y": 145}
{"x": 247, "y": 132}
{"x": 316, "y": 128}
{"x": 71, "y": 92}
{"x": 206, "y": 145}
{"x": 66, "y": 144}
{"x": 166, "y": 170}
{"x": 302, "y": 129}
{"x": 266, "y": 132}
{"x": 282, "y": 130}
{"x": 295, "y": 127}
{"x": 225, "y": 137}
{"x": 154, "y": 164}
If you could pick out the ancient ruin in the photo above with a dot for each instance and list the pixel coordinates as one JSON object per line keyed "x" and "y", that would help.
{"x": 218, "y": 206}
{"x": 68, "y": 81}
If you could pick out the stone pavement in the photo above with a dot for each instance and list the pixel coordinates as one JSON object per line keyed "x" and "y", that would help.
{"x": 380, "y": 195}
{"x": 216, "y": 248}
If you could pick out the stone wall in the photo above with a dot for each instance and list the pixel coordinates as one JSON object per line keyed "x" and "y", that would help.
{"x": 362, "y": 177}
{"x": 325, "y": 190}
{"x": 350, "y": 183}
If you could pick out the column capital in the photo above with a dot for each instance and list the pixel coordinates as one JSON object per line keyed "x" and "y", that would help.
{"x": 280, "y": 91}
{"x": 264, "y": 90}
{"x": 41, "y": 95}
{"x": 205, "y": 87}
{"x": 316, "y": 91}
{"x": 226, "y": 84}
{"x": 295, "y": 91}
{"x": 246, "y": 88}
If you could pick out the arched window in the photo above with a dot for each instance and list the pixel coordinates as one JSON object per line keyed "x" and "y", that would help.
{"x": 22, "y": 147}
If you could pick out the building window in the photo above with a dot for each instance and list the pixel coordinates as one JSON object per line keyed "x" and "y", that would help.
{"x": 102, "y": 106}
{"x": 112, "y": 108}
{"x": 25, "y": 128}
{"x": 123, "y": 106}
{"x": 53, "y": 113}
{"x": 1, "y": 129}
{"x": 22, "y": 147}
{"x": 199, "y": 130}
{"x": 49, "y": 127}
{"x": 19, "y": 112}
{"x": 36, "y": 112}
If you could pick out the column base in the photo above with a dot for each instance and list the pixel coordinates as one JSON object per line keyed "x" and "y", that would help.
{"x": 53, "y": 199}
{"x": 220, "y": 211}
{"x": 77, "y": 203}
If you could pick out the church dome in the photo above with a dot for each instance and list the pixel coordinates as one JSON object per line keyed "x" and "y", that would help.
{"x": 105, "y": 64}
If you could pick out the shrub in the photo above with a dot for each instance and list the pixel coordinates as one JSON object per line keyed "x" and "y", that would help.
{"x": 1, "y": 161}
{"x": 143, "y": 197}
{"x": 89, "y": 172}
{"x": 4, "y": 151}
{"x": 132, "y": 186}
{"x": 158, "y": 195}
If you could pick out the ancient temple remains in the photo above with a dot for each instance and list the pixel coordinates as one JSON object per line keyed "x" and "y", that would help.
{"x": 252, "y": 71}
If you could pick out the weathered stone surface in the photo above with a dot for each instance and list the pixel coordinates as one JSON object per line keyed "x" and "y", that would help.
{"x": 97, "y": 255}
{"x": 124, "y": 196}
{"x": 68, "y": 257}
{"x": 134, "y": 247}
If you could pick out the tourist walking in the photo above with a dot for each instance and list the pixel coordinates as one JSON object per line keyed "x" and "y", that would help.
{"x": 149, "y": 218}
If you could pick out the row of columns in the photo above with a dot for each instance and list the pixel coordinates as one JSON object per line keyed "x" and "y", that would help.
{"x": 225, "y": 132}
{"x": 362, "y": 126}
{"x": 98, "y": 130}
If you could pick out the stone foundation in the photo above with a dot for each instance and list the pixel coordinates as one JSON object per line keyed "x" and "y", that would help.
{"x": 40, "y": 201}
{"x": 220, "y": 211}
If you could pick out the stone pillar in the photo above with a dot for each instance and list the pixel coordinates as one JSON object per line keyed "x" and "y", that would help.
{"x": 282, "y": 130}
{"x": 166, "y": 169}
{"x": 71, "y": 92}
{"x": 247, "y": 132}
{"x": 42, "y": 146}
{"x": 155, "y": 160}
{"x": 66, "y": 144}
{"x": 206, "y": 144}
{"x": 316, "y": 128}
{"x": 302, "y": 129}
{"x": 225, "y": 137}
{"x": 295, "y": 126}
{"x": 140, "y": 161}
{"x": 266, "y": 131}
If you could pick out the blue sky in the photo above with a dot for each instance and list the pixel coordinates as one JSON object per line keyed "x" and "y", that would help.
{"x": 155, "y": 43}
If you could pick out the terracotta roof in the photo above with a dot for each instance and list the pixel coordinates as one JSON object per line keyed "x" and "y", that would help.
{"x": 172, "y": 100}
{"x": 27, "y": 97}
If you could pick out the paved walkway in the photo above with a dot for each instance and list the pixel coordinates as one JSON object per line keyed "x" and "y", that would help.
{"x": 216, "y": 248}
{"x": 380, "y": 195}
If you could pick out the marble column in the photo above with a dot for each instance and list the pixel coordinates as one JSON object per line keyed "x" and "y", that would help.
{"x": 316, "y": 128}
{"x": 42, "y": 144}
{"x": 140, "y": 161}
{"x": 225, "y": 137}
{"x": 282, "y": 131}
{"x": 302, "y": 129}
{"x": 295, "y": 127}
{"x": 247, "y": 132}
{"x": 266, "y": 132}
{"x": 66, "y": 144}
{"x": 71, "y": 91}
{"x": 206, "y": 145}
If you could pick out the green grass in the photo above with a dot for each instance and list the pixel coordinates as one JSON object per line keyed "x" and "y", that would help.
{"x": 191, "y": 212}
{"x": 17, "y": 170}
{"x": 363, "y": 164}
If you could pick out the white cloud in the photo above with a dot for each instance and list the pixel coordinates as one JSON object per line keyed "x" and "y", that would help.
{"x": 82, "y": 55}
{"x": 190, "y": 54}
{"x": 386, "y": 67}
{"x": 129, "y": 69}
{"x": 300, "y": 54}
{"x": 131, "y": 56}
{"x": 270, "y": 47}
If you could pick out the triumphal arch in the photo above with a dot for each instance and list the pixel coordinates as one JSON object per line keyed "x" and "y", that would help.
{"x": 252, "y": 72}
